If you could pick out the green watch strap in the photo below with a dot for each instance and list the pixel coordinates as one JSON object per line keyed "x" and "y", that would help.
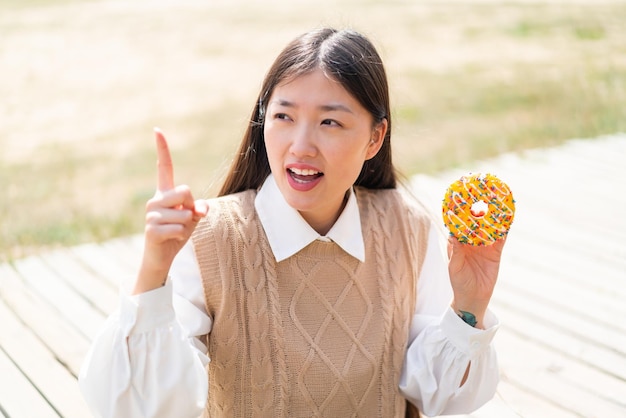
{"x": 468, "y": 317}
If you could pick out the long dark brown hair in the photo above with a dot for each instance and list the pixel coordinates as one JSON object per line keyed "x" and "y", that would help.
{"x": 352, "y": 60}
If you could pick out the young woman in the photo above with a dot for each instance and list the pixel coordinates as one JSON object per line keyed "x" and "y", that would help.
{"x": 311, "y": 286}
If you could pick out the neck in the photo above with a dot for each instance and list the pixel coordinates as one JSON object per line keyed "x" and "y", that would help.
{"x": 322, "y": 226}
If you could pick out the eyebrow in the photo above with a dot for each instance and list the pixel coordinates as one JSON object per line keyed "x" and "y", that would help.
{"x": 335, "y": 107}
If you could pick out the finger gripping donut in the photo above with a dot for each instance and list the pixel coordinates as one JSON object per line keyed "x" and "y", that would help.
{"x": 478, "y": 209}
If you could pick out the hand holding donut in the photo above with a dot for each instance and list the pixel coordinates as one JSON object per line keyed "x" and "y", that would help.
{"x": 171, "y": 217}
{"x": 473, "y": 273}
{"x": 478, "y": 210}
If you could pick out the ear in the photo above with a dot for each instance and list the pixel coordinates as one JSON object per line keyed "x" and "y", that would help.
{"x": 377, "y": 139}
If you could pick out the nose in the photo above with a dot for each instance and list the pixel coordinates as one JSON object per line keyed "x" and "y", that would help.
{"x": 303, "y": 142}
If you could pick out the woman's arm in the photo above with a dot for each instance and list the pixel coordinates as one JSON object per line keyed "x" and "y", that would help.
{"x": 149, "y": 361}
{"x": 442, "y": 347}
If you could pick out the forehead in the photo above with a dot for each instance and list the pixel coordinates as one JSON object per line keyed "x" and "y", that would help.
{"x": 315, "y": 87}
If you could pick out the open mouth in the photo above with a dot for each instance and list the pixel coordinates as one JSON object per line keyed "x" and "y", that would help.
{"x": 304, "y": 175}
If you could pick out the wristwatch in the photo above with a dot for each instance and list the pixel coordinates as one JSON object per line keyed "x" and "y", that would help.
{"x": 468, "y": 318}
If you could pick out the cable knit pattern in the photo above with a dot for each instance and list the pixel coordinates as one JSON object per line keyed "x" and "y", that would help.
{"x": 319, "y": 334}
{"x": 395, "y": 229}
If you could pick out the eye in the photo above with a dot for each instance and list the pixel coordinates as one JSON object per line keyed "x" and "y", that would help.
{"x": 281, "y": 116}
{"x": 331, "y": 122}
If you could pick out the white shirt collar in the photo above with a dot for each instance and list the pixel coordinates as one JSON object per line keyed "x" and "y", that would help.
{"x": 288, "y": 232}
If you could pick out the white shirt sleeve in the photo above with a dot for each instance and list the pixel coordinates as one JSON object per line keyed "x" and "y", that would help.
{"x": 148, "y": 360}
{"x": 441, "y": 346}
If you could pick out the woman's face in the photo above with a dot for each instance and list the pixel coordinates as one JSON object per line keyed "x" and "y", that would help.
{"x": 317, "y": 138}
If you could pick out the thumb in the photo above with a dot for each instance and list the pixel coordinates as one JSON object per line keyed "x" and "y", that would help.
{"x": 452, "y": 244}
{"x": 200, "y": 210}
{"x": 456, "y": 255}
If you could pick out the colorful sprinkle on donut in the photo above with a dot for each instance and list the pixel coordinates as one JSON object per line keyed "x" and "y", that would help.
{"x": 478, "y": 209}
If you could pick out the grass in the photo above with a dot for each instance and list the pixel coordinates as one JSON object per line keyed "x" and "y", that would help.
{"x": 81, "y": 95}
{"x": 527, "y": 111}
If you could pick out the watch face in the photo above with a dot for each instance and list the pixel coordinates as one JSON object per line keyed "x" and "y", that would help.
{"x": 468, "y": 318}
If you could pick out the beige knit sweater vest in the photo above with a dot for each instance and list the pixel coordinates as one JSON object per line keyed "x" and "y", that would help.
{"x": 319, "y": 334}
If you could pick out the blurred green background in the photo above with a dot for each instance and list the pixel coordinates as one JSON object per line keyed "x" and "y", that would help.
{"x": 82, "y": 84}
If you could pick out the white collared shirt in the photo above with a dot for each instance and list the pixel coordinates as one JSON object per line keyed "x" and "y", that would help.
{"x": 288, "y": 232}
{"x": 148, "y": 360}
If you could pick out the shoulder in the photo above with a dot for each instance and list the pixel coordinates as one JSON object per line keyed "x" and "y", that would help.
{"x": 397, "y": 201}
{"x": 227, "y": 211}
{"x": 398, "y": 212}
{"x": 238, "y": 202}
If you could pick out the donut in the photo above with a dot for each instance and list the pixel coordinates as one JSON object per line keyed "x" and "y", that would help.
{"x": 478, "y": 209}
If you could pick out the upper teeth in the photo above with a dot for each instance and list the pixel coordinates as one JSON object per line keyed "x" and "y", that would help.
{"x": 303, "y": 171}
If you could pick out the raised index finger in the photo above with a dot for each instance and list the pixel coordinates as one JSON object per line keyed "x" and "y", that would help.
{"x": 165, "y": 169}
